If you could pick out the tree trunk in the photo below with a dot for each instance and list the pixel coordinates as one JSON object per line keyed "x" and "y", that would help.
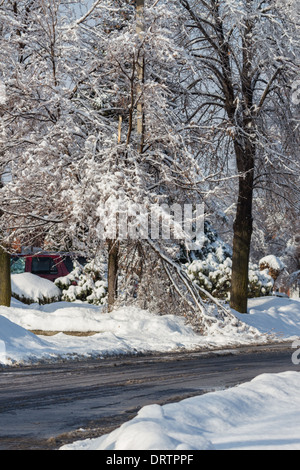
{"x": 243, "y": 227}
{"x": 140, "y": 5}
{"x": 113, "y": 257}
{"x": 5, "y": 280}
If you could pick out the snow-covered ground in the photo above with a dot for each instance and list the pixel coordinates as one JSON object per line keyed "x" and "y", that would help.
{"x": 131, "y": 330}
{"x": 263, "y": 414}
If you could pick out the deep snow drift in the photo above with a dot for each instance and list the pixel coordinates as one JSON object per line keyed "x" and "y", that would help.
{"x": 263, "y": 414}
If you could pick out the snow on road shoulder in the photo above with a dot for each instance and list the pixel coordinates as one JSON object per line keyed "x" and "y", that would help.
{"x": 130, "y": 330}
{"x": 261, "y": 414}
{"x": 124, "y": 331}
{"x": 18, "y": 345}
{"x": 127, "y": 330}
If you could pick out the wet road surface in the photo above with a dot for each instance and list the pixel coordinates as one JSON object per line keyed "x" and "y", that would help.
{"x": 46, "y": 406}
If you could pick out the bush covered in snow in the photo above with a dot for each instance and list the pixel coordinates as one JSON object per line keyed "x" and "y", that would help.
{"x": 29, "y": 289}
{"x": 84, "y": 283}
{"x": 213, "y": 270}
{"x": 260, "y": 282}
{"x": 273, "y": 264}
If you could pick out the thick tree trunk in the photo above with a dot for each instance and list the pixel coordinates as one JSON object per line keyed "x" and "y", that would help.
{"x": 243, "y": 227}
{"x": 241, "y": 252}
{"x": 113, "y": 257}
{"x": 5, "y": 280}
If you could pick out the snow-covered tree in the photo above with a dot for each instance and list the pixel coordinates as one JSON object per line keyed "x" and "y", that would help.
{"x": 135, "y": 151}
{"x": 110, "y": 105}
{"x": 37, "y": 132}
{"x": 40, "y": 141}
{"x": 89, "y": 158}
{"x": 239, "y": 106}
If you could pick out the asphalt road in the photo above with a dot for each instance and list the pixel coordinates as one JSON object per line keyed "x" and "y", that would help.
{"x": 46, "y": 406}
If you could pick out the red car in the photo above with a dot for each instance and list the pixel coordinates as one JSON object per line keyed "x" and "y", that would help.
{"x": 48, "y": 266}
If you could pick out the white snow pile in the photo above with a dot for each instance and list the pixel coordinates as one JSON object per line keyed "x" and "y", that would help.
{"x": 274, "y": 315}
{"x": 17, "y": 344}
{"x": 130, "y": 330}
{"x": 30, "y": 288}
{"x": 263, "y": 414}
{"x": 127, "y": 330}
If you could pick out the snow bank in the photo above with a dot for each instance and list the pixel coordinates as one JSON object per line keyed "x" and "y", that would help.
{"x": 33, "y": 288}
{"x": 125, "y": 331}
{"x": 263, "y": 414}
{"x": 131, "y": 330}
{"x": 274, "y": 315}
{"x": 19, "y": 345}
{"x": 58, "y": 316}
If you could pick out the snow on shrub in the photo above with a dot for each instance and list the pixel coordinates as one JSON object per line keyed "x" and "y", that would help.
{"x": 216, "y": 278}
{"x": 273, "y": 264}
{"x": 29, "y": 289}
{"x": 84, "y": 283}
{"x": 213, "y": 270}
{"x": 260, "y": 282}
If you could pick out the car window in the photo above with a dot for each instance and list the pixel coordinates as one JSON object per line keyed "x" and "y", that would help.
{"x": 43, "y": 265}
{"x": 17, "y": 265}
{"x": 68, "y": 263}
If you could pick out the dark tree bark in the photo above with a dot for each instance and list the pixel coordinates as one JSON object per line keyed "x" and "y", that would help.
{"x": 5, "y": 279}
{"x": 245, "y": 153}
{"x": 113, "y": 266}
{"x": 243, "y": 227}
